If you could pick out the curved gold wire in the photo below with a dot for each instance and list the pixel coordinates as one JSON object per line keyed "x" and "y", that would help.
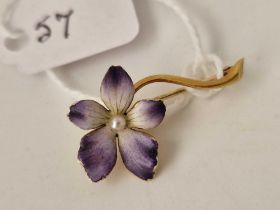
{"x": 231, "y": 75}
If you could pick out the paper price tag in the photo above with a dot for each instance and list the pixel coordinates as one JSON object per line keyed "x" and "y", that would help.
{"x": 57, "y": 32}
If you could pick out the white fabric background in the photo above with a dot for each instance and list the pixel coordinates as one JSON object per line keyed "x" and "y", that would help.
{"x": 221, "y": 153}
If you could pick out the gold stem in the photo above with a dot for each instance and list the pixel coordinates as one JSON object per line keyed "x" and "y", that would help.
{"x": 231, "y": 75}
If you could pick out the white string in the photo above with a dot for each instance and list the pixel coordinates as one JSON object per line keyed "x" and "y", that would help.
{"x": 172, "y": 4}
{"x": 203, "y": 67}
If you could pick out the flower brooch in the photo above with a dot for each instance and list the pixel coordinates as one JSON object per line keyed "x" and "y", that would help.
{"x": 117, "y": 125}
{"x": 120, "y": 124}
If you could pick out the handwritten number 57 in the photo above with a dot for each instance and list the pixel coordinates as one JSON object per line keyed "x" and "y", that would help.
{"x": 47, "y": 32}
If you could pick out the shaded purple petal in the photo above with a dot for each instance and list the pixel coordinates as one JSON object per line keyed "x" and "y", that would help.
{"x": 117, "y": 90}
{"x": 98, "y": 153}
{"x": 139, "y": 152}
{"x": 88, "y": 114}
{"x": 146, "y": 114}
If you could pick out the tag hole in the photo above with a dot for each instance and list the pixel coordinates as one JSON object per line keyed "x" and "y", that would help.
{"x": 16, "y": 44}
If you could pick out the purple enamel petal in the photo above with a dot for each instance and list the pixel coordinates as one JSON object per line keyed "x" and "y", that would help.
{"x": 88, "y": 114}
{"x": 139, "y": 152}
{"x": 146, "y": 114}
{"x": 98, "y": 153}
{"x": 117, "y": 90}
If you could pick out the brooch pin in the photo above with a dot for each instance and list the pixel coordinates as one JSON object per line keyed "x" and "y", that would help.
{"x": 120, "y": 124}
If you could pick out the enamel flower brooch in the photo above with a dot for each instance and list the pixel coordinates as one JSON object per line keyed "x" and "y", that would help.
{"x": 117, "y": 124}
{"x": 120, "y": 124}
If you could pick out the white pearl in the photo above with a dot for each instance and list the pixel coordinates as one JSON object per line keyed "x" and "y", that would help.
{"x": 117, "y": 123}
